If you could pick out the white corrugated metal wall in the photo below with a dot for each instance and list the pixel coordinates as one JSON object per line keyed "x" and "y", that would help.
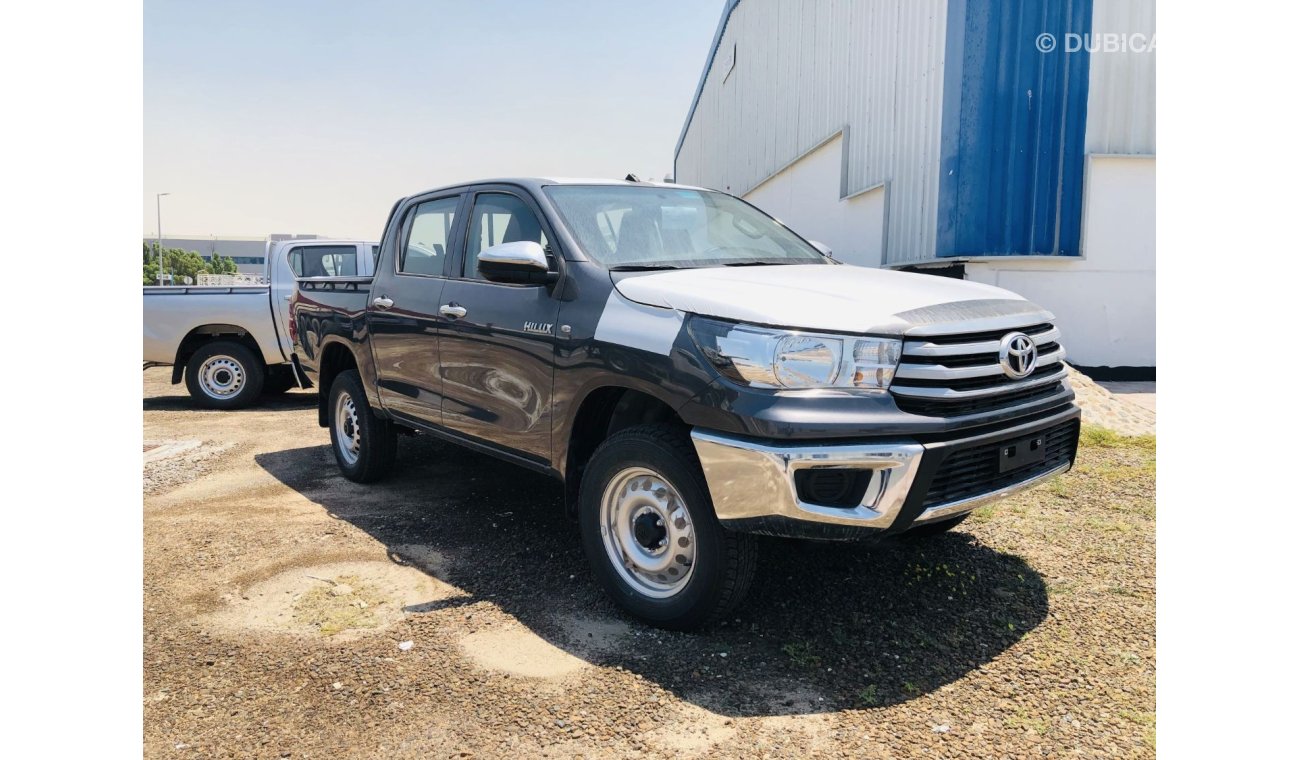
{"x": 804, "y": 71}
{"x": 1122, "y": 85}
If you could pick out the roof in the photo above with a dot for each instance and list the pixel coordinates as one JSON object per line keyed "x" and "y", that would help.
{"x": 727, "y": 8}
{"x": 323, "y": 241}
{"x": 537, "y": 183}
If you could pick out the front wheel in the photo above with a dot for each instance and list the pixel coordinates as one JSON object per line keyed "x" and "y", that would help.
{"x": 364, "y": 444}
{"x": 650, "y": 533}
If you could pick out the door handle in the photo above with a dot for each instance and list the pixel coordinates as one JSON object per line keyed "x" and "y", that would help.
{"x": 452, "y": 311}
{"x": 382, "y": 302}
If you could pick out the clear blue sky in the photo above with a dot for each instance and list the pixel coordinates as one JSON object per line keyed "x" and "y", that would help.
{"x": 313, "y": 117}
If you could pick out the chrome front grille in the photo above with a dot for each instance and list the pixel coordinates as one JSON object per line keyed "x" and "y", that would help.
{"x": 954, "y": 375}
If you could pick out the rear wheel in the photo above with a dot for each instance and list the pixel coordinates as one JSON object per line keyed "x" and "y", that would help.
{"x": 364, "y": 444}
{"x": 650, "y": 533}
{"x": 224, "y": 375}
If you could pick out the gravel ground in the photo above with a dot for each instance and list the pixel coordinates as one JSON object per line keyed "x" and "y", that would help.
{"x": 1112, "y": 411}
{"x": 448, "y": 612}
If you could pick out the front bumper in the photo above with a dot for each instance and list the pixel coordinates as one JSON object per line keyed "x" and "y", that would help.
{"x": 912, "y": 482}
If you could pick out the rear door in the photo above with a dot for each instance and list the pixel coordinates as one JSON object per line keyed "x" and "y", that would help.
{"x": 498, "y": 342}
{"x": 406, "y": 294}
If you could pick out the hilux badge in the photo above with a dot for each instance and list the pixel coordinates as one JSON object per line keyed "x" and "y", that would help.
{"x": 541, "y": 328}
{"x": 1018, "y": 355}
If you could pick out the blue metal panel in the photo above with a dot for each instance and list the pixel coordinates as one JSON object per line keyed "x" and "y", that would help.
{"x": 1011, "y": 172}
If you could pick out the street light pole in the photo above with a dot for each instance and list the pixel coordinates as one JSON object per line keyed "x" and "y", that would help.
{"x": 158, "y": 203}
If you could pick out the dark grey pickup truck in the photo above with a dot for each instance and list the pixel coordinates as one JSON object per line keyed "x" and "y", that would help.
{"x": 691, "y": 369}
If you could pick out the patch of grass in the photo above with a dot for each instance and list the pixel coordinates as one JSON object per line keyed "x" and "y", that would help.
{"x": 1129, "y": 658}
{"x": 1103, "y": 438}
{"x": 801, "y": 654}
{"x": 981, "y": 515}
{"x": 1059, "y": 487}
{"x": 868, "y": 697}
{"x": 331, "y": 612}
{"x": 1109, "y": 526}
{"x": 1120, "y": 473}
{"x": 1145, "y": 720}
{"x": 1022, "y": 720}
{"x": 1063, "y": 588}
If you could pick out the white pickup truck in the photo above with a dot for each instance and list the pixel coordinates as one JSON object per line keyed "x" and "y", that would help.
{"x": 231, "y": 343}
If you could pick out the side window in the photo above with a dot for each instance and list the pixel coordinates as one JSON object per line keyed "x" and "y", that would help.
{"x": 323, "y": 261}
{"x": 374, "y": 257}
{"x": 499, "y": 218}
{"x": 425, "y": 247}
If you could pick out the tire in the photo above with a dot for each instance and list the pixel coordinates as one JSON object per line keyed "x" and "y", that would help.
{"x": 643, "y": 497}
{"x": 224, "y": 374}
{"x": 364, "y": 445}
{"x": 935, "y": 528}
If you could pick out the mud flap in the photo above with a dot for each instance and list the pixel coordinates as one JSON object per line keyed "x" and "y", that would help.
{"x": 299, "y": 374}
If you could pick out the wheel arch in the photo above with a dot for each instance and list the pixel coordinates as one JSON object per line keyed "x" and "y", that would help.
{"x": 204, "y": 334}
{"x": 335, "y": 356}
{"x": 604, "y": 410}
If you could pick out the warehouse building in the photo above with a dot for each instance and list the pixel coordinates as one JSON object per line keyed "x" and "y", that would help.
{"x": 1006, "y": 142}
{"x": 248, "y": 253}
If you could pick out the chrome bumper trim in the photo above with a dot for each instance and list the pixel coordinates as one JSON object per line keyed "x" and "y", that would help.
{"x": 753, "y": 480}
{"x": 952, "y": 509}
{"x": 749, "y": 480}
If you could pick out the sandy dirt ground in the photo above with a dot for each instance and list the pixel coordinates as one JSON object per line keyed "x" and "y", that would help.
{"x": 448, "y": 612}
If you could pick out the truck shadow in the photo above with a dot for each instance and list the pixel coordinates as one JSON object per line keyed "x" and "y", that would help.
{"x": 826, "y": 627}
{"x": 181, "y": 402}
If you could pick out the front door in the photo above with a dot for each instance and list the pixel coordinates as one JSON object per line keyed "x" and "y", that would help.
{"x": 498, "y": 341}
{"x": 403, "y": 317}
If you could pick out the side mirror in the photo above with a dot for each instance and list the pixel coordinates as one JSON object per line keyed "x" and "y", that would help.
{"x": 825, "y": 249}
{"x": 520, "y": 263}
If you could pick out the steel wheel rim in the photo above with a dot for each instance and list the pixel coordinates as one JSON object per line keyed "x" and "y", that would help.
{"x": 347, "y": 428}
{"x": 221, "y": 377}
{"x": 636, "y": 505}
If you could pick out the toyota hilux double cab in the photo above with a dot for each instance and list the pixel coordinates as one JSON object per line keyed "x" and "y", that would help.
{"x": 693, "y": 371}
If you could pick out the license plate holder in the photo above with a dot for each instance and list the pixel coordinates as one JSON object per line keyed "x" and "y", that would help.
{"x": 1022, "y": 452}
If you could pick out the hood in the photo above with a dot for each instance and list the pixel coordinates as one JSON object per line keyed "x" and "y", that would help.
{"x": 833, "y": 298}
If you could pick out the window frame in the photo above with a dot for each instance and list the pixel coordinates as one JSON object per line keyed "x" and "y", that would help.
{"x": 454, "y": 238}
{"x": 555, "y": 256}
{"x": 288, "y": 257}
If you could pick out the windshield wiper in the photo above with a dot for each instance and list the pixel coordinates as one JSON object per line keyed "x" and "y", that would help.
{"x": 642, "y": 267}
{"x": 757, "y": 264}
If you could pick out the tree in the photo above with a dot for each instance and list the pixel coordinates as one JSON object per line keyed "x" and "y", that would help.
{"x": 222, "y": 264}
{"x": 183, "y": 267}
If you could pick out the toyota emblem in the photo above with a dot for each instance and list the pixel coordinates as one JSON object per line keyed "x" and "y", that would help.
{"x": 1018, "y": 355}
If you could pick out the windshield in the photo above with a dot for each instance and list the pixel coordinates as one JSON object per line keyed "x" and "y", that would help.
{"x": 626, "y": 228}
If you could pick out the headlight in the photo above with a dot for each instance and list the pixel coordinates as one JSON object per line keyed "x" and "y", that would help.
{"x": 765, "y": 358}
